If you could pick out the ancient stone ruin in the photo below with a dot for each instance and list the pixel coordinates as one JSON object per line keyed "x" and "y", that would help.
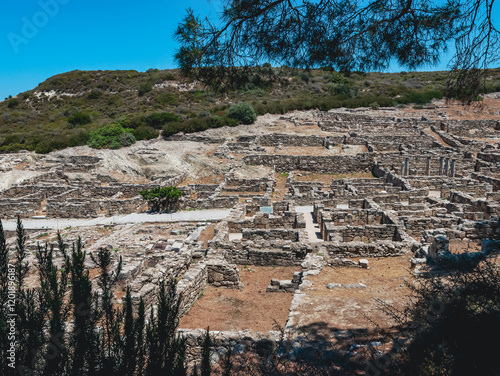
{"x": 339, "y": 202}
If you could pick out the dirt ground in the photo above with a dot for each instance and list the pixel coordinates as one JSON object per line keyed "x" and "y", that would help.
{"x": 323, "y": 312}
{"x": 207, "y": 234}
{"x": 251, "y": 308}
{"x": 280, "y": 189}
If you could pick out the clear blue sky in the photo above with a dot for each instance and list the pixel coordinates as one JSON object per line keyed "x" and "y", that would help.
{"x": 90, "y": 35}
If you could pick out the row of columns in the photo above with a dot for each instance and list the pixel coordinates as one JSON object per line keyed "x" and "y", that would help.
{"x": 446, "y": 167}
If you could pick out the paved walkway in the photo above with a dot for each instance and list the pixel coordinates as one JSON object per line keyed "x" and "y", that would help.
{"x": 54, "y": 223}
{"x": 312, "y": 228}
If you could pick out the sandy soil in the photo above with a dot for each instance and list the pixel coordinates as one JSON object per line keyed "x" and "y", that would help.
{"x": 322, "y": 311}
{"x": 251, "y": 308}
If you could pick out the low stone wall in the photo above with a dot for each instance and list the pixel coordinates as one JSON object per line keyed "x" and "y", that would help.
{"x": 286, "y": 285}
{"x": 88, "y": 208}
{"x": 290, "y": 140}
{"x": 252, "y": 343}
{"x": 416, "y": 226}
{"x": 495, "y": 183}
{"x": 324, "y": 164}
{"x": 192, "y": 284}
{"x": 264, "y": 257}
{"x": 369, "y": 233}
{"x": 209, "y": 203}
{"x": 23, "y": 207}
{"x": 358, "y": 249}
{"x": 478, "y": 230}
{"x": 272, "y": 234}
{"x": 223, "y": 274}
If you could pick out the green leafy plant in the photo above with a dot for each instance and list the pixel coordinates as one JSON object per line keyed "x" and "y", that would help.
{"x": 243, "y": 112}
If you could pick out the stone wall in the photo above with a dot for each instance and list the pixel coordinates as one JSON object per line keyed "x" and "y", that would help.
{"x": 357, "y": 249}
{"x": 368, "y": 233}
{"x": 271, "y": 234}
{"x": 246, "y": 341}
{"x": 192, "y": 285}
{"x": 324, "y": 164}
{"x": 223, "y": 274}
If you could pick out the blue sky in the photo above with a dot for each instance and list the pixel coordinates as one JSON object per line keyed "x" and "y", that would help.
{"x": 87, "y": 35}
{"x": 39, "y": 39}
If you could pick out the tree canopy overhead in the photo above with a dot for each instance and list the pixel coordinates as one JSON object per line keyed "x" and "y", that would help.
{"x": 345, "y": 35}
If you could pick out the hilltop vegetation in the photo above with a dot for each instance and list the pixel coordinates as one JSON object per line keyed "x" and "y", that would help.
{"x": 115, "y": 108}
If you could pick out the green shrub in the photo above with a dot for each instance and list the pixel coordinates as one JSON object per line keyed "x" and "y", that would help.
{"x": 158, "y": 119}
{"x": 243, "y": 112}
{"x": 127, "y": 139}
{"x": 79, "y": 138}
{"x": 144, "y": 88}
{"x": 13, "y": 102}
{"x": 171, "y": 129}
{"x": 50, "y": 144}
{"x": 95, "y": 94}
{"x": 198, "y": 125}
{"x": 79, "y": 118}
{"x": 166, "y": 99}
{"x": 111, "y": 135}
{"x": 144, "y": 132}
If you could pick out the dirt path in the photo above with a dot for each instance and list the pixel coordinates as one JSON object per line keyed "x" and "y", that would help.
{"x": 437, "y": 137}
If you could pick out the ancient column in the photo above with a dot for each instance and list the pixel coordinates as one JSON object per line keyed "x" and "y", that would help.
{"x": 406, "y": 166}
{"x": 428, "y": 166}
{"x": 452, "y": 169}
{"x": 440, "y": 166}
{"x": 402, "y": 168}
{"x": 446, "y": 162}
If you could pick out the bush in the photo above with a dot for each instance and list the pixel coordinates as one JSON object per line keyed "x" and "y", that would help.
{"x": 50, "y": 144}
{"x": 13, "y": 102}
{"x": 158, "y": 119}
{"x": 112, "y": 135}
{"x": 198, "y": 125}
{"x": 166, "y": 99}
{"x": 144, "y": 88}
{"x": 95, "y": 94}
{"x": 243, "y": 112}
{"x": 145, "y": 133}
{"x": 79, "y": 118}
{"x": 127, "y": 139}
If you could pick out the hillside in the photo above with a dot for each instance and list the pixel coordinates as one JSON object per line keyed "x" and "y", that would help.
{"x": 65, "y": 109}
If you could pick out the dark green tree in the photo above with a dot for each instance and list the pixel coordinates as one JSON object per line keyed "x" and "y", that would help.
{"x": 342, "y": 34}
{"x": 53, "y": 287}
{"x": 129, "y": 349}
{"x": 140, "y": 329}
{"x": 107, "y": 279}
{"x": 162, "y": 198}
{"x": 205, "y": 368}
{"x": 447, "y": 325}
{"x": 166, "y": 350}
{"x": 83, "y": 339}
{"x": 4, "y": 284}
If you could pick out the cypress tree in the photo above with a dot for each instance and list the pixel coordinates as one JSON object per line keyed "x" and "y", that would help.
{"x": 53, "y": 286}
{"x": 206, "y": 370}
{"x": 140, "y": 327}
{"x": 129, "y": 350}
{"x": 4, "y": 271}
{"x": 106, "y": 281}
{"x": 82, "y": 337}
